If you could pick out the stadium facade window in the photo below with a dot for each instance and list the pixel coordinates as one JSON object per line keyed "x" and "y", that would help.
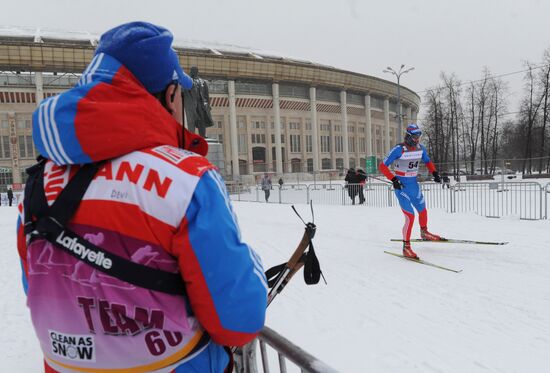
{"x": 351, "y": 144}
{"x": 308, "y": 125}
{"x": 355, "y": 99}
{"x": 325, "y": 144}
{"x": 253, "y": 88}
{"x": 258, "y": 138}
{"x": 326, "y": 164}
{"x": 338, "y": 144}
{"x": 328, "y": 95}
{"x": 324, "y": 125}
{"x": 362, "y": 145}
{"x": 217, "y": 86}
{"x": 310, "y": 165}
{"x": 242, "y": 143}
{"x": 6, "y": 178}
{"x": 258, "y": 124}
{"x": 377, "y": 102}
{"x": 393, "y": 107}
{"x": 273, "y": 139}
{"x": 352, "y": 162}
{"x": 5, "y": 143}
{"x": 309, "y": 143}
{"x": 295, "y": 144}
{"x": 26, "y": 148}
{"x": 241, "y": 122}
{"x": 340, "y": 163}
{"x": 24, "y": 124}
{"x": 296, "y": 165}
{"x": 293, "y": 125}
{"x": 296, "y": 91}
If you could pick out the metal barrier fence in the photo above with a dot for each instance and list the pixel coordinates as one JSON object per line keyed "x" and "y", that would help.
{"x": 527, "y": 200}
{"x": 523, "y": 199}
{"x": 246, "y": 359}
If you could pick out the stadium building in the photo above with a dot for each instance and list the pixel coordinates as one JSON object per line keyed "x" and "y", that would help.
{"x": 271, "y": 113}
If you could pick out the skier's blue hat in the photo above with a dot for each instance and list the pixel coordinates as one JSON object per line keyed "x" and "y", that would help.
{"x": 146, "y": 50}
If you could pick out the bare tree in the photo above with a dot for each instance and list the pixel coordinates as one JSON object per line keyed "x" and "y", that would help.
{"x": 544, "y": 83}
{"x": 529, "y": 111}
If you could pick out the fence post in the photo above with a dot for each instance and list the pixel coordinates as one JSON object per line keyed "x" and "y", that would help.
{"x": 542, "y": 191}
{"x": 307, "y": 194}
{"x": 451, "y": 200}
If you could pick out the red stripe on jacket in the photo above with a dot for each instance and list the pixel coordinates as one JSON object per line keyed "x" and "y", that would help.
{"x": 385, "y": 170}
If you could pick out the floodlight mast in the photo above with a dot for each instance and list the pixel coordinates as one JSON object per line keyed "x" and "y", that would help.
{"x": 398, "y": 74}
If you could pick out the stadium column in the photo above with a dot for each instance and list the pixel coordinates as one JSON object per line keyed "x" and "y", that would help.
{"x": 249, "y": 145}
{"x": 268, "y": 145}
{"x": 332, "y": 145}
{"x": 39, "y": 83}
{"x": 303, "y": 163}
{"x": 314, "y": 128}
{"x": 397, "y": 134}
{"x": 369, "y": 125}
{"x": 386, "y": 125}
{"x": 233, "y": 129}
{"x": 286, "y": 133}
{"x": 277, "y": 125}
{"x": 345, "y": 140}
{"x": 413, "y": 116}
{"x": 14, "y": 149}
{"x": 409, "y": 116}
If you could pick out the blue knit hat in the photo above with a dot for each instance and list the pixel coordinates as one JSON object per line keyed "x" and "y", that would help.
{"x": 146, "y": 50}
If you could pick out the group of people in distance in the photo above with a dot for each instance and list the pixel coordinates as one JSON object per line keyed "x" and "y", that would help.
{"x": 355, "y": 181}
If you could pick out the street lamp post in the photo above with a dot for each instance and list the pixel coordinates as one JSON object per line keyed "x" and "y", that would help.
{"x": 399, "y": 114}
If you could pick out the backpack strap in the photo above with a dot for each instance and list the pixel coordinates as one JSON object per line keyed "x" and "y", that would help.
{"x": 50, "y": 223}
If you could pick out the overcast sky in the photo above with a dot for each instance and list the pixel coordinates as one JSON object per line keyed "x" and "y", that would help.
{"x": 363, "y": 36}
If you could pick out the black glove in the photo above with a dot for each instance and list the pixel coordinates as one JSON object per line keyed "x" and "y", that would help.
{"x": 396, "y": 183}
{"x": 436, "y": 176}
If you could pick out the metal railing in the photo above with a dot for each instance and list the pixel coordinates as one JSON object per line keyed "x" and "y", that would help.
{"x": 246, "y": 360}
{"x": 527, "y": 200}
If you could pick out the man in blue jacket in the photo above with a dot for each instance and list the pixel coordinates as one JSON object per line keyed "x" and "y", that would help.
{"x": 155, "y": 203}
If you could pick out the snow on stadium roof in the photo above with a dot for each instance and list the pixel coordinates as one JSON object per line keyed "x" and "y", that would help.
{"x": 39, "y": 35}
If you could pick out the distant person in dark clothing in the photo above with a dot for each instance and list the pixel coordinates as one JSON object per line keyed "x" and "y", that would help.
{"x": 352, "y": 181}
{"x": 10, "y": 196}
{"x": 446, "y": 182}
{"x": 266, "y": 186}
{"x": 281, "y": 182}
{"x": 361, "y": 179}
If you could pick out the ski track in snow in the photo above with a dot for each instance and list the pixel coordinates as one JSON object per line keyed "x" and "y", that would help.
{"x": 378, "y": 313}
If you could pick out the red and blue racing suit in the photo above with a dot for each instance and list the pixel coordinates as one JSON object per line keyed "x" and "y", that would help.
{"x": 405, "y": 162}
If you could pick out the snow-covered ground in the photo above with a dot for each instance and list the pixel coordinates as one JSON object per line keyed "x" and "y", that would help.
{"x": 378, "y": 313}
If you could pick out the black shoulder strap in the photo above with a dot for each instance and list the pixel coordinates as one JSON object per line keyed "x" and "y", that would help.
{"x": 50, "y": 223}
